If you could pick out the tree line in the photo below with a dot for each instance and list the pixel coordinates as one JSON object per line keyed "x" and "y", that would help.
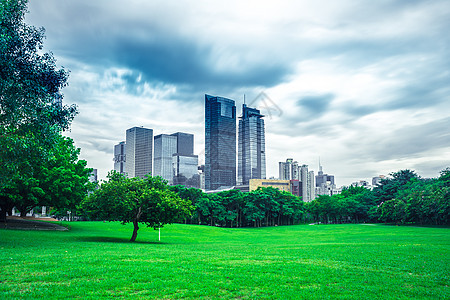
{"x": 402, "y": 198}
{"x": 232, "y": 208}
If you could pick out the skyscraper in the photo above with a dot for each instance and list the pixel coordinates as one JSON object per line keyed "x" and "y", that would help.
{"x": 120, "y": 157}
{"x": 220, "y": 142}
{"x": 251, "y": 146}
{"x": 185, "y": 143}
{"x": 139, "y": 150}
{"x": 165, "y": 147}
{"x": 325, "y": 183}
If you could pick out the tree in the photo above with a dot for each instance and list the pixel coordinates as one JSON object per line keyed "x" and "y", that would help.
{"x": 388, "y": 188}
{"x": 136, "y": 200}
{"x": 31, "y": 112}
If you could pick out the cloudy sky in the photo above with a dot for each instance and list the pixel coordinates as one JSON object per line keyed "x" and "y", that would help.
{"x": 364, "y": 85}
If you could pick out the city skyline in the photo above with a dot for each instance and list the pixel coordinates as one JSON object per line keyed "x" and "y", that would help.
{"x": 362, "y": 85}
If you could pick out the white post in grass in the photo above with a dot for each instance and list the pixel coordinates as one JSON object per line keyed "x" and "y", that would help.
{"x": 159, "y": 233}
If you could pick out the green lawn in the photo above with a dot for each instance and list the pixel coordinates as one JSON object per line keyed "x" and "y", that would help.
{"x": 95, "y": 260}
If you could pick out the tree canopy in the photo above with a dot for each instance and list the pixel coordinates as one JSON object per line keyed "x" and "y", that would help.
{"x": 136, "y": 200}
{"x": 32, "y": 115}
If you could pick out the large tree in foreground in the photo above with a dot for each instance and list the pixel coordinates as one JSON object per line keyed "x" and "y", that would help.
{"x": 31, "y": 112}
{"x": 136, "y": 200}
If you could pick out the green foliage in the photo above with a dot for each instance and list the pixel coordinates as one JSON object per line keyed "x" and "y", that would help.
{"x": 32, "y": 115}
{"x": 94, "y": 260}
{"x": 136, "y": 200}
{"x": 402, "y": 198}
{"x": 61, "y": 181}
{"x": 233, "y": 208}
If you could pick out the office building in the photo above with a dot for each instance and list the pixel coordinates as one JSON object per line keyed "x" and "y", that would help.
{"x": 251, "y": 146}
{"x": 165, "y": 147}
{"x": 185, "y": 143}
{"x": 325, "y": 184}
{"x": 120, "y": 157}
{"x": 139, "y": 151}
{"x": 220, "y": 142}
{"x": 185, "y": 170}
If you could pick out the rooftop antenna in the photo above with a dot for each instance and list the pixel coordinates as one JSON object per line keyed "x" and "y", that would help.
{"x": 244, "y": 98}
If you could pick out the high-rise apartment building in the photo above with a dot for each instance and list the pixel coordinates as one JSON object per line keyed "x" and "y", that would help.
{"x": 220, "y": 142}
{"x": 165, "y": 147}
{"x": 312, "y": 185}
{"x": 251, "y": 146}
{"x": 120, "y": 157}
{"x": 139, "y": 148}
{"x": 289, "y": 170}
{"x": 304, "y": 179}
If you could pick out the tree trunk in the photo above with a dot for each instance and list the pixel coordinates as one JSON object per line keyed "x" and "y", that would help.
{"x": 136, "y": 224}
{"x": 135, "y": 230}
{"x": 3, "y": 215}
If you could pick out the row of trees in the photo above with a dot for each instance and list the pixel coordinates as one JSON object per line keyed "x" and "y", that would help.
{"x": 38, "y": 166}
{"x": 153, "y": 202}
{"x": 262, "y": 207}
{"x": 404, "y": 197}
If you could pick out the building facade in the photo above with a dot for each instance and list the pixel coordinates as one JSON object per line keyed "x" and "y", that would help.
{"x": 282, "y": 185}
{"x": 165, "y": 147}
{"x": 251, "y": 146}
{"x": 120, "y": 157}
{"x": 220, "y": 142}
{"x": 139, "y": 152}
{"x": 185, "y": 170}
{"x": 325, "y": 184}
{"x": 185, "y": 143}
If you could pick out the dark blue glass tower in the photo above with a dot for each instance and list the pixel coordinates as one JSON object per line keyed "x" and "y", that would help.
{"x": 220, "y": 142}
{"x": 251, "y": 146}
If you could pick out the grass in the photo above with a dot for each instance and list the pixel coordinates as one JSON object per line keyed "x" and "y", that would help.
{"x": 95, "y": 260}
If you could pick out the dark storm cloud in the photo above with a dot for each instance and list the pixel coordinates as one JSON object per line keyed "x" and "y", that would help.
{"x": 152, "y": 48}
{"x": 179, "y": 61}
{"x": 316, "y": 105}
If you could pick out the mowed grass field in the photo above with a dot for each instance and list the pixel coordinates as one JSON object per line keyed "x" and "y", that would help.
{"x": 95, "y": 260}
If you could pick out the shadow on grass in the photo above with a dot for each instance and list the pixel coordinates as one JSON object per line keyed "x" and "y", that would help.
{"x": 107, "y": 239}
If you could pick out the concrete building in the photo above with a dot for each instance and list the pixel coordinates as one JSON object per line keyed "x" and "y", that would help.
{"x": 282, "y": 185}
{"x": 251, "y": 146}
{"x": 139, "y": 152}
{"x": 289, "y": 170}
{"x": 377, "y": 180}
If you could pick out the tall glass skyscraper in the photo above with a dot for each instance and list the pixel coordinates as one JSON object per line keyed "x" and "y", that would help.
{"x": 139, "y": 151}
{"x": 251, "y": 146}
{"x": 220, "y": 142}
{"x": 165, "y": 147}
